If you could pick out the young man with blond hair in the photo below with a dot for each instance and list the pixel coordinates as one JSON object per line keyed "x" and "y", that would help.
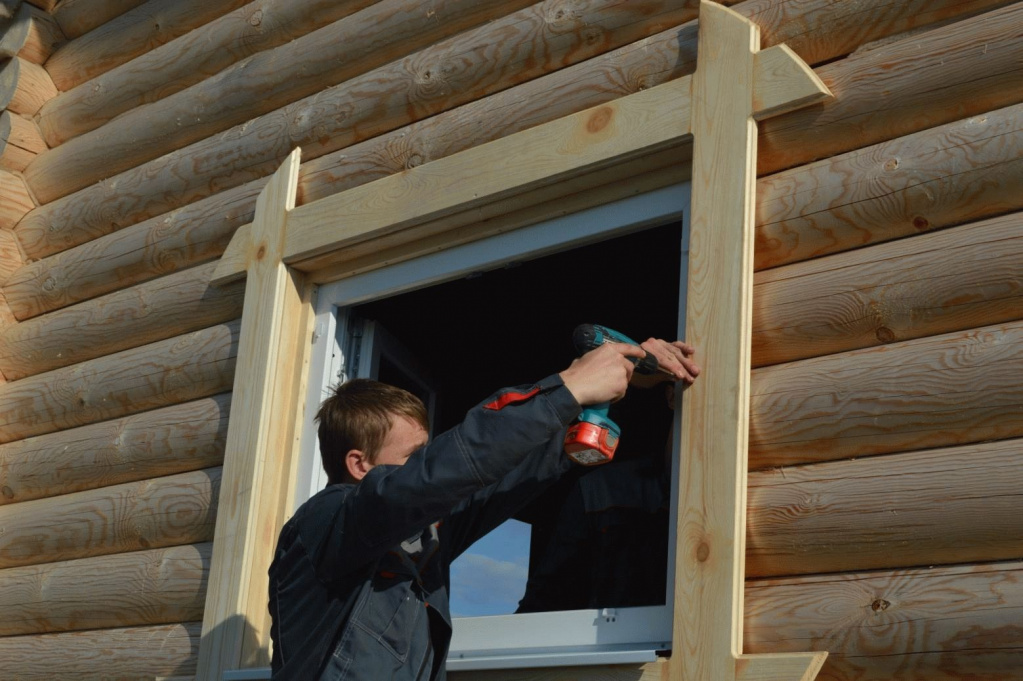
{"x": 359, "y": 584}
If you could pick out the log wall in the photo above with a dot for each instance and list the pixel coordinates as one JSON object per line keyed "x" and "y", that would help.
{"x": 887, "y": 412}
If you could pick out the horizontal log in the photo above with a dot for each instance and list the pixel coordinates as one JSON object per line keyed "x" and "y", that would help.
{"x": 151, "y": 514}
{"x": 24, "y": 86}
{"x": 170, "y": 68}
{"x": 15, "y": 200}
{"x": 448, "y": 70}
{"x": 956, "y": 279}
{"x": 176, "y": 439}
{"x": 959, "y": 70}
{"x": 156, "y": 375}
{"x": 932, "y": 392}
{"x": 78, "y": 17}
{"x": 151, "y": 190}
{"x": 129, "y": 35}
{"x": 171, "y": 306}
{"x": 32, "y": 35}
{"x": 20, "y": 141}
{"x": 133, "y": 653}
{"x": 955, "y": 173}
{"x": 943, "y": 506}
{"x": 161, "y": 586}
{"x": 941, "y": 624}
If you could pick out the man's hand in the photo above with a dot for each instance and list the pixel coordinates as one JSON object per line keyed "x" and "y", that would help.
{"x": 676, "y": 358}
{"x": 601, "y": 375}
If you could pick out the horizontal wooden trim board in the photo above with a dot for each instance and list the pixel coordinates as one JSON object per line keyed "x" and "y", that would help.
{"x": 149, "y": 191}
{"x": 180, "y": 303}
{"x": 153, "y": 651}
{"x": 176, "y": 439}
{"x": 32, "y": 35}
{"x": 448, "y": 70}
{"x": 161, "y": 586}
{"x": 156, "y": 375}
{"x": 359, "y": 42}
{"x": 20, "y": 141}
{"x": 133, "y": 33}
{"x": 78, "y": 17}
{"x": 955, "y": 173}
{"x": 933, "y": 392}
{"x": 959, "y": 278}
{"x": 189, "y": 59}
{"x": 938, "y": 624}
{"x": 24, "y": 86}
{"x": 169, "y": 511}
{"x": 937, "y": 507}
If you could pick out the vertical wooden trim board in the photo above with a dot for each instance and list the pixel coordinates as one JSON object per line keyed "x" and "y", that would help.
{"x": 282, "y": 251}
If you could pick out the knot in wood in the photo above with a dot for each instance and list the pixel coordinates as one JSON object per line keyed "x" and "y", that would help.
{"x": 879, "y": 605}
{"x": 599, "y": 119}
{"x": 257, "y": 18}
{"x": 885, "y": 335}
{"x": 261, "y": 253}
{"x": 703, "y": 552}
{"x": 891, "y": 164}
{"x": 7, "y": 492}
{"x": 921, "y": 222}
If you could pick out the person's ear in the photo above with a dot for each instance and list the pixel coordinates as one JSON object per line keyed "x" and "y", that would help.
{"x": 357, "y": 464}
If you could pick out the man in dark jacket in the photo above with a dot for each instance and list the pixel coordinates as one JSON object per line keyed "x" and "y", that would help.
{"x": 359, "y": 583}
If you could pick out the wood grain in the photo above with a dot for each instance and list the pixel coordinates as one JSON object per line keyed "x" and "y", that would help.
{"x": 451, "y": 71}
{"x": 129, "y": 35}
{"x": 189, "y": 59}
{"x": 20, "y": 141}
{"x": 943, "y": 506}
{"x": 933, "y": 392}
{"x": 258, "y": 451}
{"x": 10, "y": 261}
{"x": 956, "y": 279}
{"x": 176, "y": 439}
{"x": 940, "y": 624}
{"x": 135, "y": 652}
{"x": 106, "y": 207}
{"x": 156, "y": 375}
{"x": 160, "y": 512}
{"x": 32, "y": 35}
{"x": 955, "y": 173}
{"x": 959, "y": 70}
{"x": 24, "y": 86}
{"x": 15, "y": 200}
{"x": 78, "y": 17}
{"x": 161, "y": 586}
{"x": 170, "y": 306}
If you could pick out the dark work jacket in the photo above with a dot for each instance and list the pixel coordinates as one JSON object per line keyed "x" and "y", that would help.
{"x": 359, "y": 582}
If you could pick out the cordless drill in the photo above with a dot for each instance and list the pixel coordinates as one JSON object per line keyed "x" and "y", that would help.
{"x": 593, "y": 438}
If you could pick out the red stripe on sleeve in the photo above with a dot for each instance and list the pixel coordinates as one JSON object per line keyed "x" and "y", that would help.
{"x": 509, "y": 398}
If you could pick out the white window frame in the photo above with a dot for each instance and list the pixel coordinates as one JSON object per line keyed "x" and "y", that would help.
{"x": 609, "y": 636}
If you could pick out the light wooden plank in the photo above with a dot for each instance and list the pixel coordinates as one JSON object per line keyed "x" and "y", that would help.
{"x": 176, "y": 439}
{"x": 170, "y": 511}
{"x": 133, "y": 653}
{"x": 779, "y": 666}
{"x": 934, "y": 624}
{"x": 170, "y": 306}
{"x": 936, "y": 507}
{"x": 652, "y": 671}
{"x": 941, "y": 391}
{"x": 783, "y": 82}
{"x": 955, "y": 279}
{"x": 130, "y": 35}
{"x": 162, "y": 586}
{"x": 156, "y": 375}
{"x": 274, "y": 324}
{"x": 952, "y": 174}
{"x": 707, "y": 629}
{"x": 629, "y": 128}
{"x": 185, "y": 61}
